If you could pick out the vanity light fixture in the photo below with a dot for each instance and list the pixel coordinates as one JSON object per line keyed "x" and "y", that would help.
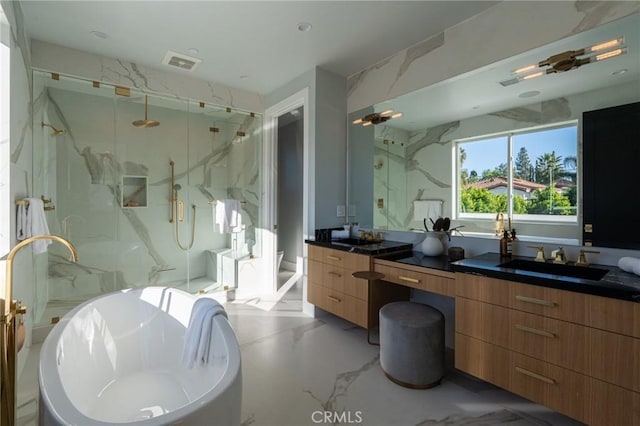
{"x": 377, "y": 117}
{"x": 570, "y": 59}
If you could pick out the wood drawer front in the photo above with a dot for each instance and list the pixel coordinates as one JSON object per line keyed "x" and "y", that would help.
{"x": 614, "y": 359}
{"x": 340, "y": 304}
{"x": 483, "y": 360}
{"x": 550, "y": 302}
{"x": 613, "y": 405}
{"x": 418, "y": 280}
{"x": 560, "y": 389}
{"x": 342, "y": 280}
{"x": 352, "y": 261}
{"x": 619, "y": 316}
{"x": 557, "y": 342}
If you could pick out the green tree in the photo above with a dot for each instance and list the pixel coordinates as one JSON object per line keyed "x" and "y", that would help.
{"x": 570, "y": 165}
{"x": 572, "y": 195}
{"x": 480, "y": 200}
{"x": 520, "y": 205}
{"x": 523, "y": 167}
{"x": 549, "y": 201}
{"x": 500, "y": 171}
{"x": 549, "y": 166}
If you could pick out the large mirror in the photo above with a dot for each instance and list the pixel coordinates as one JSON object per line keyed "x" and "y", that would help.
{"x": 493, "y": 140}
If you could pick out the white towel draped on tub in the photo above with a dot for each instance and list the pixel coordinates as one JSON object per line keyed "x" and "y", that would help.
{"x": 31, "y": 222}
{"x": 199, "y": 334}
{"x": 426, "y": 209}
{"x": 227, "y": 215}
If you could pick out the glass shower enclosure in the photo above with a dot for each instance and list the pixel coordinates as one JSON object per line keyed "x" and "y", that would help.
{"x": 138, "y": 202}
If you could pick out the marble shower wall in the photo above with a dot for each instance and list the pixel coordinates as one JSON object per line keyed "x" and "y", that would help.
{"x": 89, "y": 167}
{"x": 427, "y": 162}
{"x": 17, "y": 166}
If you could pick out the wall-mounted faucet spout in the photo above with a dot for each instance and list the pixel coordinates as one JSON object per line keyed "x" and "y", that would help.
{"x": 11, "y": 310}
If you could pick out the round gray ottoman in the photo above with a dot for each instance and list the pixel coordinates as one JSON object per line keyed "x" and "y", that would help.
{"x": 412, "y": 344}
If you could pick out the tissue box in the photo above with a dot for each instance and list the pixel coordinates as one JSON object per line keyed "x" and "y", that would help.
{"x": 339, "y": 234}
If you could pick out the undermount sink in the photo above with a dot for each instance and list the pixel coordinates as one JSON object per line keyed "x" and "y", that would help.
{"x": 584, "y": 272}
{"x": 353, "y": 241}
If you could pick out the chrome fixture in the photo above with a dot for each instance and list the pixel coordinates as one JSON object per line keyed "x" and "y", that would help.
{"x": 569, "y": 60}
{"x": 582, "y": 258}
{"x": 146, "y": 122}
{"x": 377, "y": 117}
{"x": 176, "y": 210}
{"x": 55, "y": 132}
{"x": 12, "y": 311}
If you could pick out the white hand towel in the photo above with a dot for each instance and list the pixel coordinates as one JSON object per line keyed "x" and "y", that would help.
{"x": 426, "y": 209}
{"x": 37, "y": 224}
{"x": 199, "y": 333}
{"x": 227, "y": 212}
{"x": 630, "y": 264}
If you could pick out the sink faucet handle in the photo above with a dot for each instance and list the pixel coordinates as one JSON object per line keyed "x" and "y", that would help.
{"x": 582, "y": 258}
{"x": 540, "y": 257}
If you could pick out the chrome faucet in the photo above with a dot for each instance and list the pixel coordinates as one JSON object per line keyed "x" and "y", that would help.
{"x": 12, "y": 310}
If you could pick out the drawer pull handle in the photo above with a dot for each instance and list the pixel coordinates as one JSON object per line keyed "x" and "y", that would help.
{"x": 334, "y": 273}
{"x": 534, "y": 331}
{"x": 409, "y": 280}
{"x": 333, "y": 298}
{"x": 535, "y": 376}
{"x": 336, "y": 258}
{"x": 536, "y": 301}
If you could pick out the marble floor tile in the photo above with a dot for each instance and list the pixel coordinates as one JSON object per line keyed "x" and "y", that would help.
{"x": 296, "y": 368}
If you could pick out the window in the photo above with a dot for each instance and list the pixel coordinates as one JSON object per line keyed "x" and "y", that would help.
{"x": 529, "y": 174}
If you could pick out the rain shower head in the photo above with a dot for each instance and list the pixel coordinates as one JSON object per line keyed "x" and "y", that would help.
{"x": 55, "y": 132}
{"x": 177, "y": 187}
{"x": 146, "y": 122}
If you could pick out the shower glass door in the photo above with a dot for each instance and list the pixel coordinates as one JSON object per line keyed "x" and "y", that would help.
{"x": 110, "y": 179}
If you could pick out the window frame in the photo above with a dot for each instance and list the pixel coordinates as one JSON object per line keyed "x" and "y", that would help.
{"x": 509, "y": 134}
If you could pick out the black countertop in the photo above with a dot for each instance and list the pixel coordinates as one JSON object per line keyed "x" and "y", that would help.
{"x": 418, "y": 259}
{"x": 616, "y": 283}
{"x": 372, "y": 249}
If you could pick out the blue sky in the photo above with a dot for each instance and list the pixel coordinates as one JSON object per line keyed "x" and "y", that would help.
{"x": 490, "y": 153}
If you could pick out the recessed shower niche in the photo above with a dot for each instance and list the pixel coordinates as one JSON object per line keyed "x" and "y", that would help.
{"x": 134, "y": 191}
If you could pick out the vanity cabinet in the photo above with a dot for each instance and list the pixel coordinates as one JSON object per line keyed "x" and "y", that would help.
{"x": 332, "y": 287}
{"x": 555, "y": 347}
{"x": 432, "y": 280}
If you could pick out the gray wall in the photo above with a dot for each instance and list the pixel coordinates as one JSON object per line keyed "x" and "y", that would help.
{"x": 327, "y": 142}
{"x": 290, "y": 167}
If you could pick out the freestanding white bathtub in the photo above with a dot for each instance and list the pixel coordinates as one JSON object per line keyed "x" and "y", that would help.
{"x": 116, "y": 360}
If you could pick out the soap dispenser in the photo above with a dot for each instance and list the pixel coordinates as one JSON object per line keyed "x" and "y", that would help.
{"x": 504, "y": 244}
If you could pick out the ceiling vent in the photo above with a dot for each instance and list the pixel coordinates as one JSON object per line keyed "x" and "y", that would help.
{"x": 510, "y": 81}
{"x": 181, "y": 61}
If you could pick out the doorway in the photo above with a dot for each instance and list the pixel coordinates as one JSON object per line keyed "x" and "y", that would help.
{"x": 303, "y": 220}
{"x": 289, "y": 194}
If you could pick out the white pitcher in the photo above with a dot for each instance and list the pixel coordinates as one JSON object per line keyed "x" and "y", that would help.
{"x": 432, "y": 245}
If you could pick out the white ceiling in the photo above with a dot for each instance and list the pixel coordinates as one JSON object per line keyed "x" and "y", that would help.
{"x": 479, "y": 92}
{"x": 258, "y": 39}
